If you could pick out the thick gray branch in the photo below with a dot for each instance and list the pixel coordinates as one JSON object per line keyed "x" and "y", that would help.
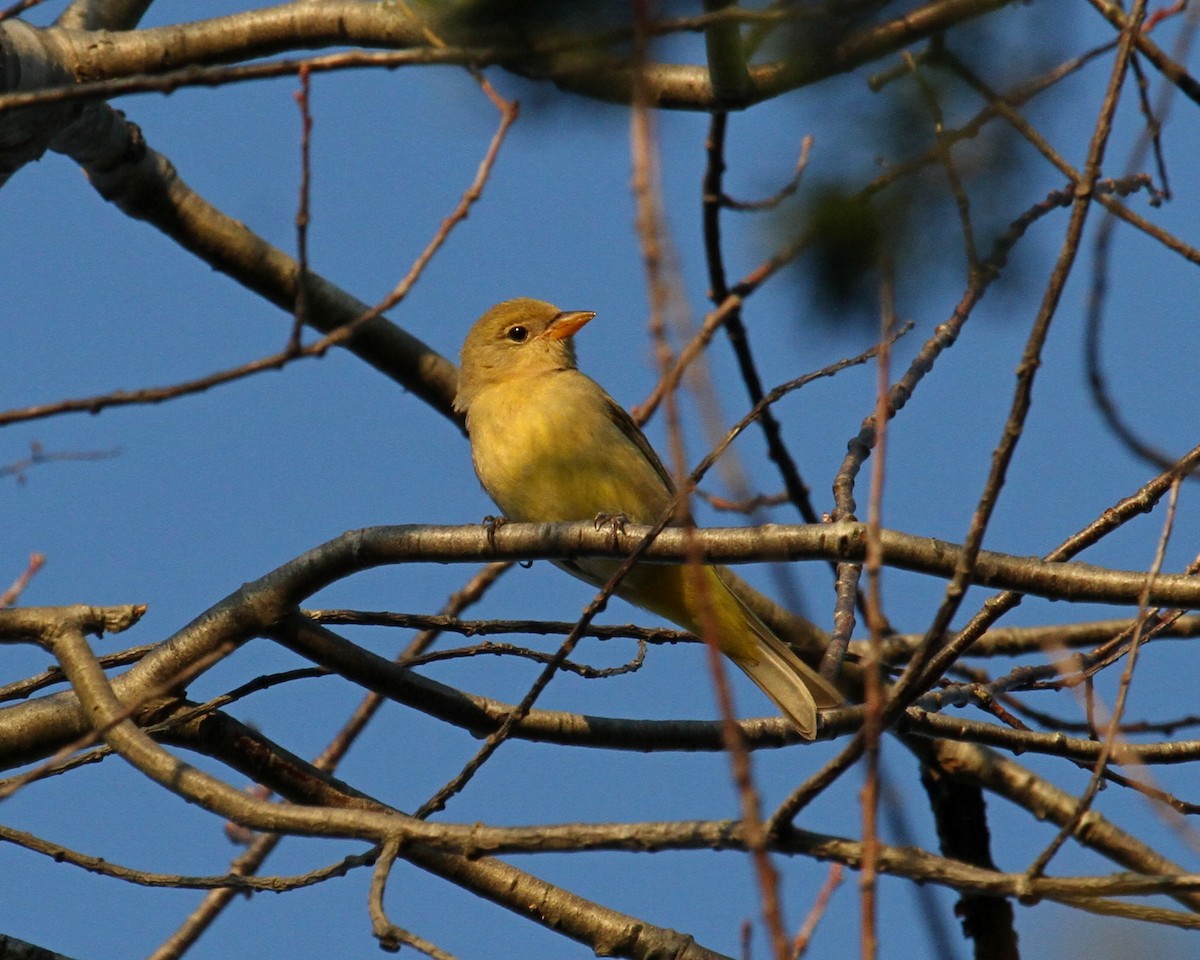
{"x": 31, "y": 729}
{"x": 145, "y": 185}
{"x": 102, "y": 55}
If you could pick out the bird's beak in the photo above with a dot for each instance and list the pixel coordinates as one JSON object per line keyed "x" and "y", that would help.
{"x": 567, "y": 324}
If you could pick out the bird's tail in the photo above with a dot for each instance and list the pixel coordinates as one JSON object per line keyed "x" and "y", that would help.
{"x": 792, "y": 685}
{"x": 675, "y": 592}
{"x": 795, "y": 687}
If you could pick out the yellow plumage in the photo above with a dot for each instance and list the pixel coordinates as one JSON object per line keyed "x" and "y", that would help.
{"x": 550, "y": 445}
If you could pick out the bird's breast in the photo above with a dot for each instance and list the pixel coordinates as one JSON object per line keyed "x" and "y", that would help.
{"x": 546, "y": 450}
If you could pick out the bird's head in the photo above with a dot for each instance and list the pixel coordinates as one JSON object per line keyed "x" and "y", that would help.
{"x": 516, "y": 338}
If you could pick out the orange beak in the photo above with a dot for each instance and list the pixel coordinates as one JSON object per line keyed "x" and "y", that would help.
{"x": 567, "y": 324}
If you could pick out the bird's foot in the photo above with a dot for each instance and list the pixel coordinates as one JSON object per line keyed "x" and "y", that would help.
{"x": 615, "y": 523}
{"x": 492, "y": 524}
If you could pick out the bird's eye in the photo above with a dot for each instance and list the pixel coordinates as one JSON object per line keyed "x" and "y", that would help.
{"x": 518, "y": 334}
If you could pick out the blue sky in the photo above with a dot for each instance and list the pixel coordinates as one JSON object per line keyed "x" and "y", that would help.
{"x": 212, "y": 490}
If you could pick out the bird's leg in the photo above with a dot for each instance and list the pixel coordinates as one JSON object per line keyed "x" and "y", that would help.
{"x": 492, "y": 524}
{"x": 615, "y": 523}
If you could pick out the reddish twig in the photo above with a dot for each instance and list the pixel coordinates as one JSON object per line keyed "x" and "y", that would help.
{"x": 300, "y": 309}
{"x": 17, "y": 587}
{"x": 873, "y": 686}
{"x": 832, "y": 881}
{"x": 17, "y": 8}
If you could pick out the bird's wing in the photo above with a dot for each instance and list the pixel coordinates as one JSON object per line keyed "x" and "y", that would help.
{"x": 624, "y": 422}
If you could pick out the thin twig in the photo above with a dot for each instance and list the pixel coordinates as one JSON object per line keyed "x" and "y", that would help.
{"x": 1022, "y": 399}
{"x": 820, "y": 904}
{"x": 340, "y": 335}
{"x": 1101, "y": 251}
{"x": 16, "y": 588}
{"x": 300, "y": 311}
{"x": 201, "y": 918}
{"x": 1038, "y": 867}
{"x": 873, "y": 688}
{"x": 38, "y": 456}
{"x": 17, "y": 8}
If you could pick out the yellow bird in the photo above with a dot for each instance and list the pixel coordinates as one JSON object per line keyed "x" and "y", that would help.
{"x": 550, "y": 445}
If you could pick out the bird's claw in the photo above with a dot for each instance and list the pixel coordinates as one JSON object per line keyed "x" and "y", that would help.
{"x": 615, "y": 523}
{"x": 492, "y": 524}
